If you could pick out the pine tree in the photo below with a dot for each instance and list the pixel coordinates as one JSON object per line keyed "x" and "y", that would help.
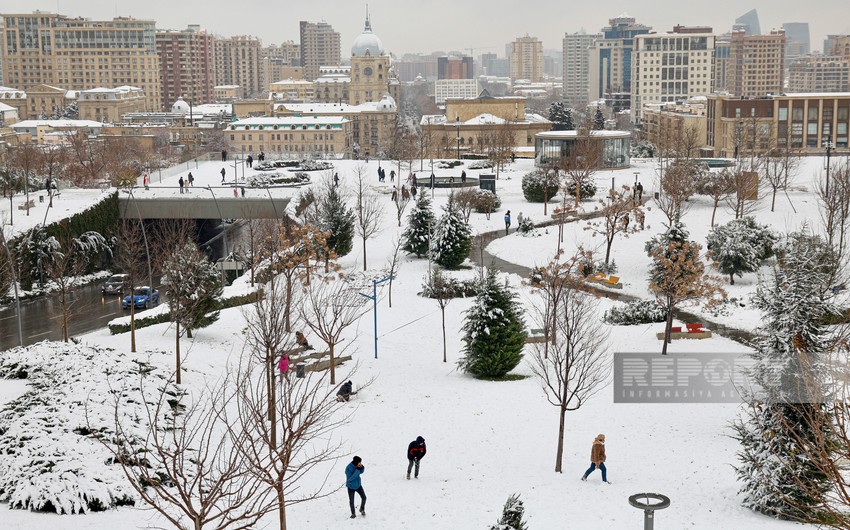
{"x": 337, "y": 220}
{"x": 452, "y": 237}
{"x": 512, "y": 514}
{"x": 494, "y": 331}
{"x": 569, "y": 121}
{"x": 559, "y": 116}
{"x": 740, "y": 246}
{"x": 417, "y": 236}
{"x": 778, "y": 478}
{"x": 598, "y": 120}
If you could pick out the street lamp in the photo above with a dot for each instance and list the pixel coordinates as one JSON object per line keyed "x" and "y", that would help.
{"x": 829, "y": 146}
{"x": 457, "y": 122}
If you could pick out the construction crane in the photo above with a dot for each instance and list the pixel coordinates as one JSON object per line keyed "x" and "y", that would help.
{"x": 471, "y": 50}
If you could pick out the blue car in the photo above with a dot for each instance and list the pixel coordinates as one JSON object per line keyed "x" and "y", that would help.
{"x": 142, "y": 297}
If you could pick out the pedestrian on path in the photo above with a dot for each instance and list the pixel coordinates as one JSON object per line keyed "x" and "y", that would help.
{"x": 146, "y": 181}
{"x": 463, "y": 175}
{"x": 224, "y": 155}
{"x": 353, "y": 484}
{"x": 181, "y": 185}
{"x": 597, "y": 459}
{"x": 639, "y": 190}
{"x": 415, "y": 452}
{"x": 336, "y": 180}
{"x": 283, "y": 366}
{"x": 250, "y": 161}
{"x": 392, "y": 175}
{"x": 223, "y": 173}
{"x": 191, "y": 179}
{"x": 507, "y": 221}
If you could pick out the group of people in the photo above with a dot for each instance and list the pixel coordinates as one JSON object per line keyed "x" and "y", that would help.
{"x": 405, "y": 194}
{"x": 184, "y": 184}
{"x": 415, "y": 453}
{"x": 382, "y": 175}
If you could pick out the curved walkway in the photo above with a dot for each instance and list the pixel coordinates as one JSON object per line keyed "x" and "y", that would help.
{"x": 481, "y": 257}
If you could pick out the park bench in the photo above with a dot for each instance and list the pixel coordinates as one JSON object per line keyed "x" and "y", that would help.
{"x": 536, "y": 336}
{"x": 606, "y": 281}
{"x": 559, "y": 213}
{"x": 27, "y": 204}
{"x": 313, "y": 362}
{"x": 692, "y": 331}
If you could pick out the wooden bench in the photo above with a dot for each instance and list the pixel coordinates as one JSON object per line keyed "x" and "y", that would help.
{"x": 558, "y": 213}
{"x": 27, "y": 205}
{"x": 536, "y": 336}
{"x": 692, "y": 331}
{"x": 313, "y": 361}
{"x": 604, "y": 280}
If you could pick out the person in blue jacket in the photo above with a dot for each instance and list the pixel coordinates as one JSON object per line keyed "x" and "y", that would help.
{"x": 352, "y": 483}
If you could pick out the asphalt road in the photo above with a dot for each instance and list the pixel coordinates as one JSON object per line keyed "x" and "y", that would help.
{"x": 41, "y": 318}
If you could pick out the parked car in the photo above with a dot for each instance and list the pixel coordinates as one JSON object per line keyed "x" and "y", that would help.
{"x": 114, "y": 284}
{"x": 142, "y": 297}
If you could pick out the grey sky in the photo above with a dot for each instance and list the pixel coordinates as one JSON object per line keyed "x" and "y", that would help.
{"x": 429, "y": 25}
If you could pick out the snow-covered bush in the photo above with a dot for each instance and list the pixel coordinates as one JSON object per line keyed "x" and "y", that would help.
{"x": 643, "y": 149}
{"x": 449, "y": 164}
{"x": 740, "y": 246}
{"x": 416, "y": 238}
{"x": 315, "y": 165}
{"x": 512, "y": 515}
{"x": 588, "y": 189}
{"x": 51, "y": 460}
{"x": 486, "y": 201}
{"x": 457, "y": 288}
{"x": 481, "y": 164}
{"x": 276, "y": 179}
{"x": 539, "y": 185}
{"x": 634, "y": 313}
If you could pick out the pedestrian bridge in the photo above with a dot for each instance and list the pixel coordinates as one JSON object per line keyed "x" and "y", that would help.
{"x": 199, "y": 205}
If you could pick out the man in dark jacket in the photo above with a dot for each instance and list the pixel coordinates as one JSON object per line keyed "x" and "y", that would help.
{"x": 345, "y": 391}
{"x": 415, "y": 452}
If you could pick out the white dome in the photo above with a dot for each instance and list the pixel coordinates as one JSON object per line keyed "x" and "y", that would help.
{"x": 180, "y": 106}
{"x": 387, "y": 103}
{"x": 367, "y": 43}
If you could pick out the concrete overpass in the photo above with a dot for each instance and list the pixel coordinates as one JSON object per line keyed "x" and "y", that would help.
{"x": 200, "y": 205}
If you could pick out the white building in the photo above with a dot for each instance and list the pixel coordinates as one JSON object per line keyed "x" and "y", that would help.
{"x": 576, "y": 82}
{"x": 455, "y": 88}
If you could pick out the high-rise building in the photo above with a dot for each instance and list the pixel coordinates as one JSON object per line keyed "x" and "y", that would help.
{"x": 748, "y": 23}
{"x": 494, "y": 66}
{"x": 186, "y": 63}
{"x": 80, "y": 54}
{"x": 756, "y": 64}
{"x": 671, "y": 67}
{"x": 526, "y": 59}
{"x": 797, "y": 41}
{"x": 576, "y": 81}
{"x": 840, "y": 46}
{"x": 454, "y": 68}
{"x": 320, "y": 46}
{"x": 610, "y": 58}
{"x": 819, "y": 73}
{"x": 237, "y": 62}
{"x": 722, "y": 52}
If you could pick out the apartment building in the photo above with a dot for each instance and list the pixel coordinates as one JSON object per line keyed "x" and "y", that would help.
{"x": 526, "y": 59}
{"x": 576, "y": 72}
{"x": 80, "y": 54}
{"x": 320, "y": 46}
{"x": 108, "y": 105}
{"x": 819, "y": 73}
{"x": 296, "y": 136}
{"x": 236, "y": 61}
{"x": 756, "y": 64}
{"x": 186, "y": 65}
{"x": 610, "y": 58}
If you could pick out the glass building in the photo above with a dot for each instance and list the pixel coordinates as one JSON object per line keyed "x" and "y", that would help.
{"x": 612, "y": 147}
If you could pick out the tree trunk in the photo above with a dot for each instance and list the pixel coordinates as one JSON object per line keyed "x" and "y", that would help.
{"x": 281, "y": 508}
{"x": 132, "y": 326}
{"x": 287, "y": 306}
{"x": 668, "y": 329}
{"x": 443, "y": 314}
{"x": 391, "y": 291}
{"x": 364, "y": 253}
{"x": 773, "y": 200}
{"x": 731, "y": 279}
{"x": 176, "y": 347}
{"x": 189, "y": 333}
{"x": 609, "y": 241}
{"x": 714, "y": 211}
{"x": 272, "y": 400}
{"x": 333, "y": 364}
{"x": 64, "y": 316}
{"x": 559, "y": 456}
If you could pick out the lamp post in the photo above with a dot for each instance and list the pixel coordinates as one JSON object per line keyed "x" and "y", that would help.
{"x": 457, "y": 122}
{"x": 374, "y": 298}
{"x": 829, "y": 148}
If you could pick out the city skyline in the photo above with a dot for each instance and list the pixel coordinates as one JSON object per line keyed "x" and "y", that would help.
{"x": 436, "y": 28}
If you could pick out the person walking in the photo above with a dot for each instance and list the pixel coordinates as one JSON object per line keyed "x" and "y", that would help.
{"x": 415, "y": 452}
{"x": 597, "y": 459}
{"x": 336, "y": 180}
{"x": 380, "y": 174}
{"x": 242, "y": 189}
{"x": 250, "y": 161}
{"x": 413, "y": 191}
{"x": 507, "y": 221}
{"x": 224, "y": 155}
{"x": 639, "y": 190}
{"x": 392, "y": 175}
{"x": 181, "y": 185}
{"x": 353, "y": 471}
{"x": 191, "y": 179}
{"x": 223, "y": 173}
{"x": 261, "y": 157}
{"x": 283, "y": 366}
{"x": 463, "y": 175}
{"x": 146, "y": 181}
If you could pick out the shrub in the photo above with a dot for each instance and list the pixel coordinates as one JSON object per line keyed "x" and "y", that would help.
{"x": 533, "y": 186}
{"x": 486, "y": 201}
{"x": 481, "y": 164}
{"x": 458, "y": 288}
{"x": 588, "y": 189}
{"x": 634, "y": 313}
{"x": 449, "y": 164}
{"x": 277, "y": 179}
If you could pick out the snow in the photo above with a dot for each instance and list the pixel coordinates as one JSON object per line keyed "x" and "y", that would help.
{"x": 67, "y": 203}
{"x": 487, "y": 440}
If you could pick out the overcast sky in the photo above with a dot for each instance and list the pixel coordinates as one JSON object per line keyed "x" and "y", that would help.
{"x": 430, "y": 25}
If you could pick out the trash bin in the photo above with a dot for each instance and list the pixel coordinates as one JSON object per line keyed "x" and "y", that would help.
{"x": 41, "y": 198}
{"x": 300, "y": 371}
{"x": 656, "y": 195}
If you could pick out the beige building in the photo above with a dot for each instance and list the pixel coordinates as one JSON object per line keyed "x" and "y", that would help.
{"x": 16, "y": 99}
{"x": 53, "y": 132}
{"x": 802, "y": 122}
{"x": 80, "y": 54}
{"x": 45, "y": 101}
{"x": 274, "y": 69}
{"x": 576, "y": 74}
{"x": 756, "y": 64}
{"x": 237, "y": 62}
{"x": 819, "y": 73}
{"x": 841, "y": 46}
{"x": 470, "y": 125}
{"x": 293, "y": 90}
{"x": 109, "y": 104}
{"x": 526, "y": 59}
{"x": 186, "y": 64}
{"x": 671, "y": 123}
{"x": 226, "y": 92}
{"x": 320, "y": 46}
{"x": 292, "y": 136}
{"x": 671, "y": 67}
{"x": 332, "y": 88}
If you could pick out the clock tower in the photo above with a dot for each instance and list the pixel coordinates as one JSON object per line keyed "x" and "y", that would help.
{"x": 370, "y": 68}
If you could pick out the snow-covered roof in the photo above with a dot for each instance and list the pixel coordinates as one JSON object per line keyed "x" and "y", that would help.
{"x": 482, "y": 119}
{"x": 292, "y": 82}
{"x": 554, "y": 135}
{"x": 28, "y": 124}
{"x": 334, "y": 79}
{"x": 6, "y": 108}
{"x": 334, "y": 108}
{"x": 817, "y": 94}
{"x": 289, "y": 121}
{"x": 225, "y": 87}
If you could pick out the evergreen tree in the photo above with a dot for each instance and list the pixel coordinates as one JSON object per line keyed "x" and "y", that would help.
{"x": 452, "y": 239}
{"x": 338, "y": 220}
{"x": 778, "y": 478}
{"x": 598, "y": 120}
{"x": 569, "y": 121}
{"x": 416, "y": 238}
{"x": 512, "y": 514}
{"x": 558, "y": 115}
{"x": 494, "y": 331}
{"x": 740, "y": 246}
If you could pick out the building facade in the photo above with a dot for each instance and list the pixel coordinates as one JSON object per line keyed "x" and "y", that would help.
{"x": 454, "y": 68}
{"x": 320, "y": 46}
{"x": 108, "y": 105}
{"x": 237, "y": 62}
{"x": 186, "y": 65}
{"x": 526, "y": 59}
{"x": 756, "y": 64}
{"x": 671, "y": 67}
{"x": 576, "y": 72}
{"x": 292, "y": 136}
{"x": 610, "y": 58}
{"x": 667, "y": 124}
{"x": 80, "y": 54}
{"x": 819, "y": 73}
{"x": 455, "y": 88}
{"x": 798, "y": 42}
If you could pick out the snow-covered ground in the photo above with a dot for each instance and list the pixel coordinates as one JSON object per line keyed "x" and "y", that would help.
{"x": 67, "y": 204}
{"x": 487, "y": 440}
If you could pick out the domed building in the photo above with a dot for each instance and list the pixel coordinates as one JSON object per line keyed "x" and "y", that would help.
{"x": 370, "y": 68}
{"x": 367, "y": 44}
{"x": 180, "y": 106}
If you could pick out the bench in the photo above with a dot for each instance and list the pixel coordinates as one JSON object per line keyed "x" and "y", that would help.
{"x": 27, "y": 205}
{"x": 606, "y": 281}
{"x": 558, "y": 213}
{"x": 536, "y": 336}
{"x": 692, "y": 331}
{"x": 313, "y": 361}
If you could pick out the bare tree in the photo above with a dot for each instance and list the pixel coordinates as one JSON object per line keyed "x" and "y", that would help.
{"x": 835, "y": 206}
{"x": 368, "y": 209}
{"x": 184, "y": 468}
{"x": 744, "y": 199}
{"x": 52, "y": 161}
{"x": 779, "y": 166}
{"x": 329, "y": 307}
{"x": 442, "y": 289}
{"x": 130, "y": 257}
{"x": 615, "y": 217}
{"x": 465, "y": 200}
{"x": 678, "y": 184}
{"x": 393, "y": 264}
{"x": 575, "y": 365}
{"x": 718, "y": 185}
{"x": 26, "y": 159}
{"x": 551, "y": 281}
{"x": 307, "y": 414}
{"x": 582, "y": 162}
